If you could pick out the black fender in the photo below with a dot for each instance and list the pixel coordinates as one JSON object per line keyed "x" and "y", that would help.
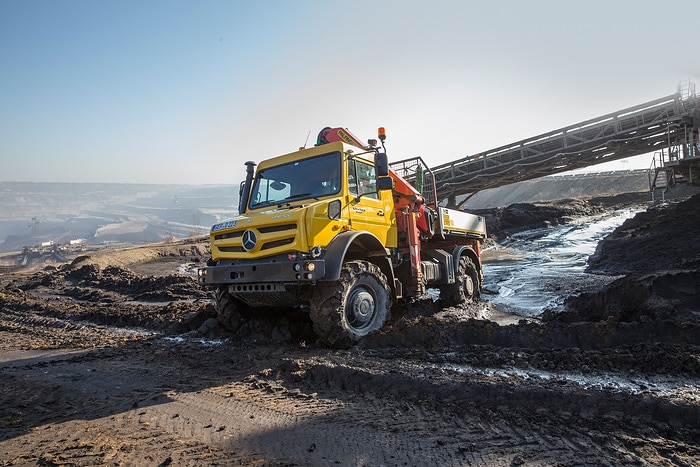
{"x": 461, "y": 250}
{"x": 356, "y": 244}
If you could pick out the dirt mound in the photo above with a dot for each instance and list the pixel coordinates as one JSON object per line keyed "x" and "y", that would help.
{"x": 111, "y": 284}
{"x": 668, "y": 295}
{"x": 502, "y": 222}
{"x": 662, "y": 237}
{"x": 23, "y": 308}
{"x": 195, "y": 249}
{"x": 91, "y": 290}
{"x": 625, "y": 184}
{"x": 657, "y": 250}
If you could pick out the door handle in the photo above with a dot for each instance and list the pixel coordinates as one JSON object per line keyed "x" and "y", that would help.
{"x": 380, "y": 213}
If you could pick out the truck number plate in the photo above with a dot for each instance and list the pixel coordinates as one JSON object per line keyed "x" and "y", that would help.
{"x": 223, "y": 225}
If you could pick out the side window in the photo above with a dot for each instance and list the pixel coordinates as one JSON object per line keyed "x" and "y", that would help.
{"x": 363, "y": 180}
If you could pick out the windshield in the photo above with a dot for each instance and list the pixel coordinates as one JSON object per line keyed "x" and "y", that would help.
{"x": 307, "y": 178}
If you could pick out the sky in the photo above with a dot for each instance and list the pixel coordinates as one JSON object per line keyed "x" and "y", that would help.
{"x": 187, "y": 91}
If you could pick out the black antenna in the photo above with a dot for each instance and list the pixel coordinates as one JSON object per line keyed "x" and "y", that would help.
{"x": 307, "y": 139}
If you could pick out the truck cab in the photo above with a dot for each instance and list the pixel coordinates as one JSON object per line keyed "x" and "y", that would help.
{"x": 325, "y": 190}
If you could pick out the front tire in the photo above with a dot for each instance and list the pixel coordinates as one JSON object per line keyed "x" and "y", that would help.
{"x": 346, "y": 310}
{"x": 466, "y": 287}
{"x": 230, "y": 312}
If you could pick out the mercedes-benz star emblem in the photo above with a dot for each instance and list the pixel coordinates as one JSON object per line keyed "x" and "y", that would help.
{"x": 249, "y": 240}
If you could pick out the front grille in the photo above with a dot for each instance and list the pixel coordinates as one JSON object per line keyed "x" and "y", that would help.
{"x": 268, "y": 238}
{"x": 228, "y": 235}
{"x": 277, "y": 228}
{"x": 231, "y": 249}
{"x": 276, "y": 243}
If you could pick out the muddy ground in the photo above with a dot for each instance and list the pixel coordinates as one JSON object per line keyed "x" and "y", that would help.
{"x": 116, "y": 359}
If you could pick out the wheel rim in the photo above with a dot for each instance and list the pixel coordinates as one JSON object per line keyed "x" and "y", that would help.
{"x": 468, "y": 286}
{"x": 360, "y": 308}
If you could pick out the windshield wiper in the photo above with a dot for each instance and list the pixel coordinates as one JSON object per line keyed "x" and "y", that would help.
{"x": 297, "y": 196}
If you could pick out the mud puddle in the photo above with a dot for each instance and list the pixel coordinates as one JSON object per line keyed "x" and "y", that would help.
{"x": 197, "y": 340}
{"x": 667, "y": 387}
{"x": 537, "y": 269}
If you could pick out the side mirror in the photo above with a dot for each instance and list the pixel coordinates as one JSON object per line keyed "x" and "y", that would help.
{"x": 381, "y": 164}
{"x": 241, "y": 198}
{"x": 385, "y": 183}
{"x": 334, "y": 209}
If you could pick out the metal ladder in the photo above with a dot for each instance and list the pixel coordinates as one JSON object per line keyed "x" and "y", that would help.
{"x": 660, "y": 176}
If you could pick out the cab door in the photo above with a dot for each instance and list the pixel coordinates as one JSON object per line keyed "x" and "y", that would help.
{"x": 373, "y": 211}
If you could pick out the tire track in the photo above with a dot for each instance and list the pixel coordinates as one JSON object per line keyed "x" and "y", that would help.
{"x": 370, "y": 432}
{"x": 53, "y": 332}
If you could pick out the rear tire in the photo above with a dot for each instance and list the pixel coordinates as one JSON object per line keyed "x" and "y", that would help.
{"x": 230, "y": 312}
{"x": 346, "y": 310}
{"x": 466, "y": 288}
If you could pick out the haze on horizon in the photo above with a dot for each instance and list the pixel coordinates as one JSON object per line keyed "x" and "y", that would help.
{"x": 184, "y": 92}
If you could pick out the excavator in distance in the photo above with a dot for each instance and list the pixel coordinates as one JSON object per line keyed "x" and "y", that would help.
{"x": 340, "y": 233}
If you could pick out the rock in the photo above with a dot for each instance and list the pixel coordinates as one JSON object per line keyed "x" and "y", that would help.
{"x": 208, "y": 326}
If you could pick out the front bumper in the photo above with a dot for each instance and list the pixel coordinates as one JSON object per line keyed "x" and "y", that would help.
{"x": 264, "y": 272}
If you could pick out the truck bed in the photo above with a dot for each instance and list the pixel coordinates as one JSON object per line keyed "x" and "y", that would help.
{"x": 453, "y": 223}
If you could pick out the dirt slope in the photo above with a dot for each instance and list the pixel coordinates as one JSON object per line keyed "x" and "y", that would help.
{"x": 657, "y": 252}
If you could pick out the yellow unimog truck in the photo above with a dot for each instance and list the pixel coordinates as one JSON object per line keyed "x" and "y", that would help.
{"x": 337, "y": 232}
